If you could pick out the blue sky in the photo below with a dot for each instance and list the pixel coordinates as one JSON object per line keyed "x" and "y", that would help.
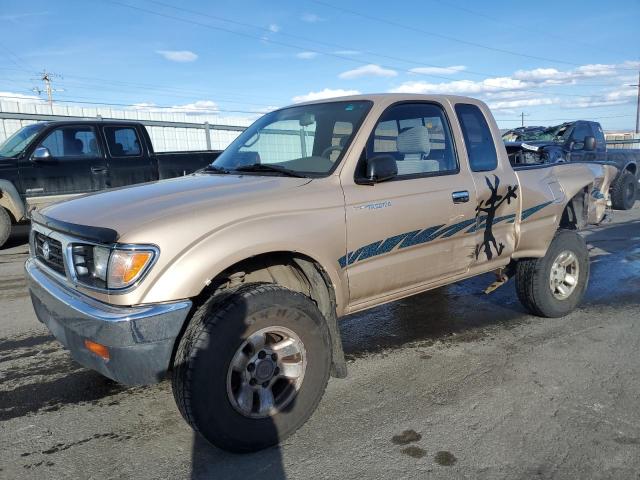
{"x": 551, "y": 60}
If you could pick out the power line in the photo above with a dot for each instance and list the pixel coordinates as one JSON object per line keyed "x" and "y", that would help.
{"x": 440, "y": 35}
{"x": 297, "y": 47}
{"x": 520, "y": 27}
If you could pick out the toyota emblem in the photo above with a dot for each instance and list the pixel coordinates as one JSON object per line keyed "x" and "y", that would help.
{"x": 46, "y": 250}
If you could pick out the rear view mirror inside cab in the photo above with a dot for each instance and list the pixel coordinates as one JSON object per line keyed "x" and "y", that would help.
{"x": 307, "y": 119}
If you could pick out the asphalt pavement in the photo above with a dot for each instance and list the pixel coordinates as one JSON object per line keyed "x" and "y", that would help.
{"x": 452, "y": 383}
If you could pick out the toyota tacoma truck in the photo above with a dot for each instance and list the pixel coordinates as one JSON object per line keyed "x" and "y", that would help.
{"x": 579, "y": 141}
{"x": 231, "y": 281}
{"x": 47, "y": 162}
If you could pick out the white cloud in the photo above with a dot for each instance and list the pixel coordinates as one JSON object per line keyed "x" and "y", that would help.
{"x": 531, "y": 102}
{"x": 311, "y": 18}
{"x": 20, "y": 98}
{"x": 307, "y": 55}
{"x": 462, "y": 87}
{"x": 178, "y": 55}
{"x": 553, "y": 76}
{"x": 346, "y": 52}
{"x": 618, "y": 96}
{"x": 200, "y": 107}
{"x": 326, "y": 93}
{"x": 370, "y": 70}
{"x": 439, "y": 70}
{"x": 275, "y": 28}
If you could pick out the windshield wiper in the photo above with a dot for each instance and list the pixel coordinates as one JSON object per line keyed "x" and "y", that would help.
{"x": 265, "y": 167}
{"x": 214, "y": 169}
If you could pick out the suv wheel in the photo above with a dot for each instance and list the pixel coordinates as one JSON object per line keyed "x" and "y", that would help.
{"x": 552, "y": 286}
{"x": 252, "y": 366}
{"x": 623, "y": 194}
{"x": 5, "y": 226}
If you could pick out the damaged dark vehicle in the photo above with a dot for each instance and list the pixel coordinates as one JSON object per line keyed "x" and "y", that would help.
{"x": 580, "y": 141}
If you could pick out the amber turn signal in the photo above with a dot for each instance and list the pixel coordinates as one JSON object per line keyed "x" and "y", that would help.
{"x": 97, "y": 348}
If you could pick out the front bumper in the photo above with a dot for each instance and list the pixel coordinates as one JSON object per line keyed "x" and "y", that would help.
{"x": 140, "y": 339}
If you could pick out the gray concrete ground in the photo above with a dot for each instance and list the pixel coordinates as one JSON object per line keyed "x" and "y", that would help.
{"x": 449, "y": 384}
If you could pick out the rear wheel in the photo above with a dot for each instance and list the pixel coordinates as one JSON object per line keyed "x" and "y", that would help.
{"x": 624, "y": 191}
{"x": 552, "y": 286}
{"x": 252, "y": 366}
{"x": 5, "y": 226}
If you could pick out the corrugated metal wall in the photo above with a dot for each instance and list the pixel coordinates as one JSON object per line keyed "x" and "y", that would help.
{"x": 164, "y": 138}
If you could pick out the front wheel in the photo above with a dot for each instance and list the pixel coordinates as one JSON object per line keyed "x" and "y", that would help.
{"x": 552, "y": 286}
{"x": 624, "y": 191}
{"x": 5, "y": 226}
{"x": 252, "y": 366}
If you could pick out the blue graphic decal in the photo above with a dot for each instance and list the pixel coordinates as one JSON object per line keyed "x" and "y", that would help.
{"x": 418, "y": 237}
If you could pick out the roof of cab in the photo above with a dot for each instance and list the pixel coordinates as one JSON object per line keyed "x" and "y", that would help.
{"x": 395, "y": 97}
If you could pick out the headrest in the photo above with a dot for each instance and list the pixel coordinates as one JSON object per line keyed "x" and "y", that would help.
{"x": 414, "y": 140}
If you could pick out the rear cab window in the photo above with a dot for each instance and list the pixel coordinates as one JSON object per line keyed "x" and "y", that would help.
{"x": 477, "y": 138}
{"x": 123, "y": 141}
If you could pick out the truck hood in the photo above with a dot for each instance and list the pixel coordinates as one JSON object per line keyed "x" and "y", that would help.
{"x": 125, "y": 209}
{"x": 538, "y": 144}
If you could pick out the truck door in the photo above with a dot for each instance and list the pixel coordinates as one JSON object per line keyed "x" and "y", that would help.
{"x": 497, "y": 190}
{"x": 76, "y": 165}
{"x": 601, "y": 142}
{"x": 576, "y": 143}
{"x": 129, "y": 161}
{"x": 408, "y": 231}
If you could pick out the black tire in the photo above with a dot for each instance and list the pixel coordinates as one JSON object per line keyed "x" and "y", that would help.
{"x": 5, "y": 226}
{"x": 216, "y": 331}
{"x": 533, "y": 277}
{"x": 624, "y": 191}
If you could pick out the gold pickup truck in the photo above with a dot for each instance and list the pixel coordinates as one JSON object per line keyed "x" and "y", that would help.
{"x": 231, "y": 281}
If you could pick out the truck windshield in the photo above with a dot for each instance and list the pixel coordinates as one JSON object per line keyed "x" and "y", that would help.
{"x": 557, "y": 133}
{"x": 305, "y": 140}
{"x": 16, "y": 143}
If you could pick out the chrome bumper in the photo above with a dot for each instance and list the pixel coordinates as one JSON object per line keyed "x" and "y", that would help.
{"x": 140, "y": 339}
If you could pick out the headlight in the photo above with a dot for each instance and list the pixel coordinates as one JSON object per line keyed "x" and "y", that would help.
{"x": 127, "y": 266}
{"x": 110, "y": 268}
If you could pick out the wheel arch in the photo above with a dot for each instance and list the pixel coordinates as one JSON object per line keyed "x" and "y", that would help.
{"x": 11, "y": 201}
{"x": 296, "y": 271}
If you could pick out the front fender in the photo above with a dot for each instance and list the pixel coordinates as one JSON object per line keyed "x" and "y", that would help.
{"x": 10, "y": 199}
{"x": 319, "y": 235}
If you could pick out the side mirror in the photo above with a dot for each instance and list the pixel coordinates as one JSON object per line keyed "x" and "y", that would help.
{"x": 589, "y": 143}
{"x": 41, "y": 154}
{"x": 381, "y": 168}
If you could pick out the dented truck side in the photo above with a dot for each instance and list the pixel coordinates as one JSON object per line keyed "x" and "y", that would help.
{"x": 249, "y": 265}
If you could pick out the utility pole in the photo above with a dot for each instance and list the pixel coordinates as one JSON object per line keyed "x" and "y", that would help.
{"x": 522, "y": 115}
{"x": 638, "y": 104}
{"x": 47, "y": 78}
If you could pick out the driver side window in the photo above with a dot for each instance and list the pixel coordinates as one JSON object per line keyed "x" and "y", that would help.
{"x": 418, "y": 137}
{"x": 72, "y": 142}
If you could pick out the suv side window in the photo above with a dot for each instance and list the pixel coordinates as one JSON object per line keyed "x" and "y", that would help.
{"x": 122, "y": 141}
{"x": 477, "y": 138}
{"x": 72, "y": 142}
{"x": 418, "y": 137}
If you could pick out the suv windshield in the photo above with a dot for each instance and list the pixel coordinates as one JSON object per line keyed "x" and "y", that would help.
{"x": 17, "y": 142}
{"x": 307, "y": 140}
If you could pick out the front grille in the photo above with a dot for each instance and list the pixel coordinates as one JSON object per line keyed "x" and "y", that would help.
{"x": 49, "y": 251}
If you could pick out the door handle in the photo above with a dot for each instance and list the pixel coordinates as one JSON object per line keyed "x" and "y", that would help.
{"x": 460, "y": 197}
{"x": 98, "y": 169}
